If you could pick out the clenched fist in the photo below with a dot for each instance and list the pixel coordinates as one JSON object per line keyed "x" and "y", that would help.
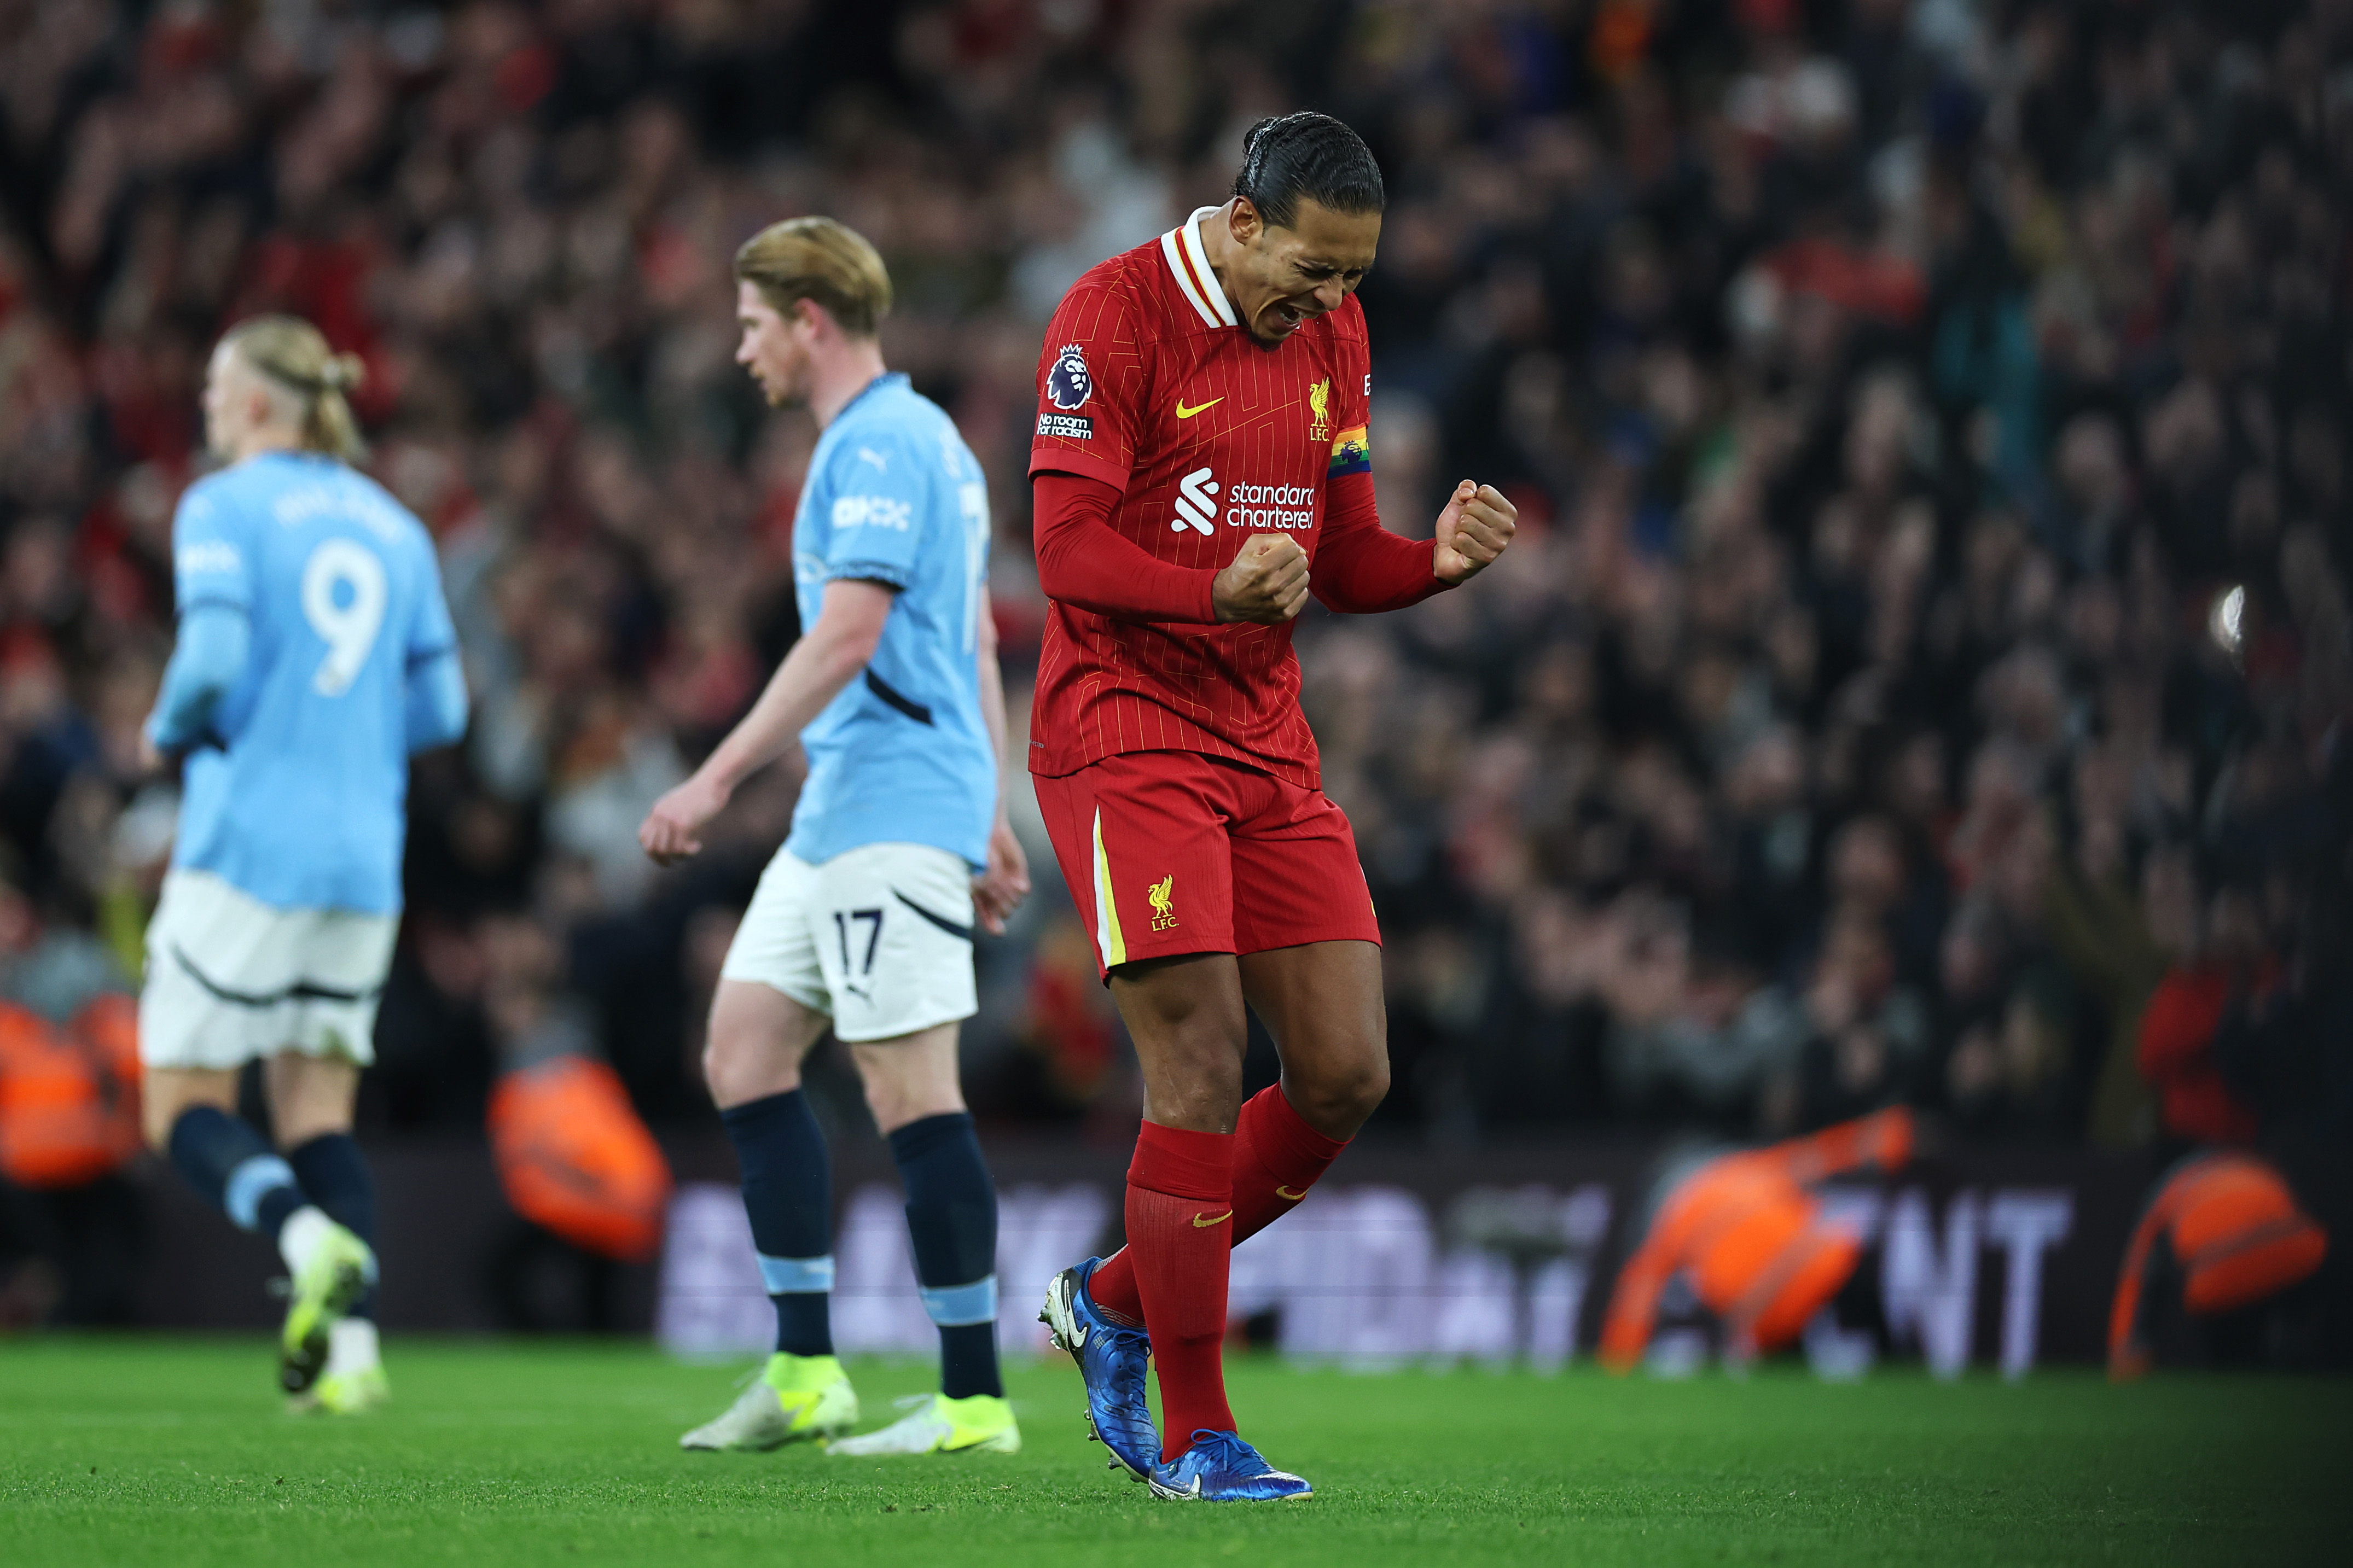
{"x": 1475, "y": 529}
{"x": 1267, "y": 582}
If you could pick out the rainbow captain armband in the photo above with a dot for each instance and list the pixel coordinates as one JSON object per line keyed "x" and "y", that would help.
{"x": 1352, "y": 452}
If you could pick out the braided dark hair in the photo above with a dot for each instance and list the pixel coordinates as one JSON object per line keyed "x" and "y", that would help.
{"x": 1285, "y": 157}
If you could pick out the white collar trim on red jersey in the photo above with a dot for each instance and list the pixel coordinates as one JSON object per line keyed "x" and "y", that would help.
{"x": 1188, "y": 262}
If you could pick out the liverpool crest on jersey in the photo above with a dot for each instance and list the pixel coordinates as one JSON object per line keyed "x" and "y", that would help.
{"x": 1319, "y": 412}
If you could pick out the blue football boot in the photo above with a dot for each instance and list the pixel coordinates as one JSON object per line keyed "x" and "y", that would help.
{"x": 1221, "y": 1468}
{"x": 1111, "y": 1360}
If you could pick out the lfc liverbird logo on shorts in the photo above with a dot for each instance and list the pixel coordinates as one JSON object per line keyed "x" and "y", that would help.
{"x": 1319, "y": 412}
{"x": 1162, "y": 894}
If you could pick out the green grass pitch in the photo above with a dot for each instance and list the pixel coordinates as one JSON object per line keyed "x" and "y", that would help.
{"x": 126, "y": 1452}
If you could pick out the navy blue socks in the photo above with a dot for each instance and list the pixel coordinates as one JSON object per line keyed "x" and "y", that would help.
{"x": 952, "y": 1219}
{"x": 228, "y": 1161}
{"x": 788, "y": 1194}
{"x": 331, "y": 1170}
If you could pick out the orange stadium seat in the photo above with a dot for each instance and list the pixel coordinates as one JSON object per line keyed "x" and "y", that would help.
{"x": 574, "y": 1157}
{"x": 69, "y": 1098}
{"x": 1751, "y": 1239}
{"x": 2238, "y": 1235}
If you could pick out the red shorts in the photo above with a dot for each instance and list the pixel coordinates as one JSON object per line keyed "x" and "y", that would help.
{"x": 1177, "y": 852}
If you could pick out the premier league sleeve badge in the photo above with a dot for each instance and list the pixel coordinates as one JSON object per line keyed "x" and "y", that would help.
{"x": 1069, "y": 383}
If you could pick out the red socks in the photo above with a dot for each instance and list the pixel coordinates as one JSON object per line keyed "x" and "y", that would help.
{"x": 1180, "y": 1218}
{"x": 1277, "y": 1157}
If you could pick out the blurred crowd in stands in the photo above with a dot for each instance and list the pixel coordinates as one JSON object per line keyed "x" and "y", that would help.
{"x": 1922, "y": 675}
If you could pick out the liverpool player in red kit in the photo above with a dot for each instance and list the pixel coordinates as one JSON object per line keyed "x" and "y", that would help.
{"x": 1201, "y": 465}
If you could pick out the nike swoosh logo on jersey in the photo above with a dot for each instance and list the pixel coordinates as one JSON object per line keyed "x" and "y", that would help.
{"x": 1287, "y": 1192}
{"x": 1200, "y": 1224}
{"x": 1185, "y": 413}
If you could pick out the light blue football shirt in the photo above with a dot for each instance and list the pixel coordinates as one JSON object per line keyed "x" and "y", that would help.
{"x": 902, "y": 755}
{"x": 300, "y": 800}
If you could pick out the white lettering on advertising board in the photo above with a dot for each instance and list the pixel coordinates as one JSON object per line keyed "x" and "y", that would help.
{"x": 1365, "y": 1277}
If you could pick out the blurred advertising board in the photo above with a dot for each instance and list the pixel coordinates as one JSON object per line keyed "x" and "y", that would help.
{"x": 1995, "y": 1259}
{"x": 1447, "y": 1262}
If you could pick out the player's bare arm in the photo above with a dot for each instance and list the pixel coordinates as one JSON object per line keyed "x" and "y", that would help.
{"x": 827, "y": 658}
{"x": 1001, "y": 886}
{"x": 1475, "y": 529}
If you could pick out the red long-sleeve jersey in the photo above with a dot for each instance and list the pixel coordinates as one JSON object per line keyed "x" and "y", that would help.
{"x": 1182, "y": 437}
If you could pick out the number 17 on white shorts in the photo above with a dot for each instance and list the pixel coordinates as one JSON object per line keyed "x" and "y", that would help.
{"x": 878, "y": 938}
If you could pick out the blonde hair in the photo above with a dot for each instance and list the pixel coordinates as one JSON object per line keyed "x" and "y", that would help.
{"x": 818, "y": 259}
{"x": 292, "y": 354}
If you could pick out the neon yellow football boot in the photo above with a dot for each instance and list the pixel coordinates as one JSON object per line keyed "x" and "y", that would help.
{"x": 332, "y": 1279}
{"x": 795, "y": 1397}
{"x": 977, "y": 1424}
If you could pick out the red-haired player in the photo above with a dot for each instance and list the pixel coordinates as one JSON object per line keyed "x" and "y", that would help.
{"x": 1202, "y": 466}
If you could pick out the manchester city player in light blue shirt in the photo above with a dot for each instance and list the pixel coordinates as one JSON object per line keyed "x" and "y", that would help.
{"x": 863, "y": 920}
{"x": 315, "y": 653}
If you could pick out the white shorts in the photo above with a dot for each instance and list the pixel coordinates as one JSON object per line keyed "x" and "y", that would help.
{"x": 230, "y": 979}
{"x": 878, "y": 938}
